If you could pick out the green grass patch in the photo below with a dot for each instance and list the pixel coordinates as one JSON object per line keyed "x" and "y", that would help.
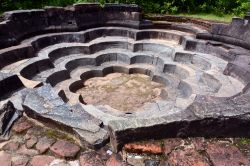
{"x": 245, "y": 141}
{"x": 210, "y": 17}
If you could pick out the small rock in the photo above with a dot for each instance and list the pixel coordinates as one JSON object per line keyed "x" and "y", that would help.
{"x": 11, "y": 146}
{"x": 29, "y": 152}
{"x": 74, "y": 163}
{"x": 27, "y": 136}
{"x": 135, "y": 161}
{"x": 34, "y": 131}
{"x": 58, "y": 162}
{"x": 163, "y": 163}
{"x": 65, "y": 149}
{"x": 220, "y": 154}
{"x": 44, "y": 144}
{"x": 31, "y": 142}
{"x": 19, "y": 161}
{"x": 170, "y": 144}
{"x": 115, "y": 160}
{"x": 103, "y": 152}
{"x": 21, "y": 127}
{"x": 186, "y": 157}
{"x": 199, "y": 143}
{"x": 5, "y": 159}
{"x": 91, "y": 159}
{"x": 8, "y": 115}
{"x": 151, "y": 162}
{"x": 42, "y": 160}
{"x": 109, "y": 152}
{"x": 152, "y": 148}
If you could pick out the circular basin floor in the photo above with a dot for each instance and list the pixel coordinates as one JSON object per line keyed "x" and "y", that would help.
{"x": 124, "y": 92}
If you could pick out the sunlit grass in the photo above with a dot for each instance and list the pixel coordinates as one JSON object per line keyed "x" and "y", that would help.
{"x": 211, "y": 17}
{"x": 245, "y": 141}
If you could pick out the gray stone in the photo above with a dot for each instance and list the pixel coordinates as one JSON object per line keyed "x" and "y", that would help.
{"x": 79, "y": 109}
{"x": 135, "y": 129}
{"x": 65, "y": 19}
{"x": 45, "y": 105}
{"x": 199, "y": 119}
{"x": 8, "y": 116}
{"x": 235, "y": 33}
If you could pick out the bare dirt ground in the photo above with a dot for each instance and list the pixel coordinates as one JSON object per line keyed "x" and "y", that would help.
{"x": 123, "y": 92}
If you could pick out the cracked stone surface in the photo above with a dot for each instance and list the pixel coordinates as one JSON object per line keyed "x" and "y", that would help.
{"x": 44, "y": 104}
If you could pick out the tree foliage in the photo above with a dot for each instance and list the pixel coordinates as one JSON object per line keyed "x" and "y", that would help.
{"x": 237, "y": 7}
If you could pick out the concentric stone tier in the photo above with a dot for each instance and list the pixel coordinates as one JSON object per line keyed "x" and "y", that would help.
{"x": 207, "y": 82}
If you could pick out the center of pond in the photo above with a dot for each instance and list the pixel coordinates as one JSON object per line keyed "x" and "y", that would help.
{"x": 124, "y": 92}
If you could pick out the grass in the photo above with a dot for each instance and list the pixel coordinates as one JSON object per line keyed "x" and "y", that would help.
{"x": 206, "y": 16}
{"x": 51, "y": 133}
{"x": 210, "y": 16}
{"x": 245, "y": 141}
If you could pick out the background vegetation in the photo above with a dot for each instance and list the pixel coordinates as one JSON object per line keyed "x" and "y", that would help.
{"x": 191, "y": 7}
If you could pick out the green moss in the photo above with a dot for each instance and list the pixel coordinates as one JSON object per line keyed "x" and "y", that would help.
{"x": 58, "y": 135}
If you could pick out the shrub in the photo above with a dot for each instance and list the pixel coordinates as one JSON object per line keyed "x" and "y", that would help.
{"x": 219, "y": 7}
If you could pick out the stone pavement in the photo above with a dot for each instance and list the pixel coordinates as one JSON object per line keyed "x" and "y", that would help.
{"x": 31, "y": 144}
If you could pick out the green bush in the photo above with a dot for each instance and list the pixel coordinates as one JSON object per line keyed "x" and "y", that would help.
{"x": 219, "y": 7}
{"x": 242, "y": 8}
